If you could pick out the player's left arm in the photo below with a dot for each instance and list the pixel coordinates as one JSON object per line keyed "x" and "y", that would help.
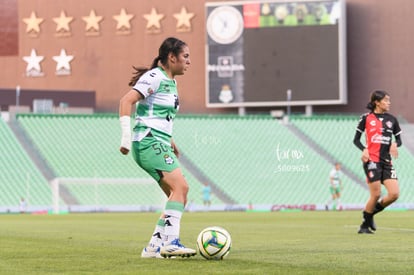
{"x": 398, "y": 141}
{"x": 394, "y": 147}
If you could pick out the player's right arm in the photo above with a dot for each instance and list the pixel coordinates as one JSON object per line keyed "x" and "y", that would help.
{"x": 358, "y": 143}
{"x": 125, "y": 107}
{"x": 357, "y": 138}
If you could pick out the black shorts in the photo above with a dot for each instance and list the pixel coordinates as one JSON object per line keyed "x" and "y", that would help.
{"x": 379, "y": 171}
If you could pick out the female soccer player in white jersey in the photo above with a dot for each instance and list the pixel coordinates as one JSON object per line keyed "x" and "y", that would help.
{"x": 153, "y": 149}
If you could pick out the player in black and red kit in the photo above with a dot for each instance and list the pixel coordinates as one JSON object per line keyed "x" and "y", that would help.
{"x": 379, "y": 127}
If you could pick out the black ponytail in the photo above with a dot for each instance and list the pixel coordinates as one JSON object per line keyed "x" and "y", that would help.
{"x": 139, "y": 71}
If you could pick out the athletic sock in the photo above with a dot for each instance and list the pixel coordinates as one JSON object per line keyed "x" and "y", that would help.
{"x": 173, "y": 212}
{"x": 367, "y": 219}
{"x": 378, "y": 208}
{"x": 158, "y": 236}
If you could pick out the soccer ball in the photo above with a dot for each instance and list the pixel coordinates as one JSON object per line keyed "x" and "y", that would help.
{"x": 214, "y": 243}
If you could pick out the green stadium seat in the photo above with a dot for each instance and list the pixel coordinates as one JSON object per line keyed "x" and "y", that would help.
{"x": 86, "y": 146}
{"x": 251, "y": 159}
{"x": 257, "y": 160}
{"x": 19, "y": 177}
{"x": 335, "y": 135}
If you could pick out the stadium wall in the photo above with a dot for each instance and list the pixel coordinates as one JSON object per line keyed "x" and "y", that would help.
{"x": 379, "y": 48}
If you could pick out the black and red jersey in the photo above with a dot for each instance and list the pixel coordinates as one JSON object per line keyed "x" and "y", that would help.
{"x": 379, "y": 129}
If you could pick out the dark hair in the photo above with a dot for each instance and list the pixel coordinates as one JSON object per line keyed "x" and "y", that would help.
{"x": 376, "y": 96}
{"x": 169, "y": 45}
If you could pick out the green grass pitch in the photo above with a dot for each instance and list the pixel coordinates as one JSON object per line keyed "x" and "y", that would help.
{"x": 263, "y": 243}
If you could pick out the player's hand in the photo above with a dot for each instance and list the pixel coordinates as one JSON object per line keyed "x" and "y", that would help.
{"x": 124, "y": 150}
{"x": 394, "y": 150}
{"x": 125, "y": 144}
{"x": 175, "y": 149}
{"x": 365, "y": 155}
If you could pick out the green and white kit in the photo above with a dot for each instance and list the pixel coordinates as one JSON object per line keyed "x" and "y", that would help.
{"x": 154, "y": 123}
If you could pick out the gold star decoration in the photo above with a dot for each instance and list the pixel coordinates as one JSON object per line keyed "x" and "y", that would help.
{"x": 123, "y": 20}
{"x": 62, "y": 22}
{"x": 153, "y": 21}
{"x": 92, "y": 21}
{"x": 183, "y": 20}
{"x": 33, "y": 23}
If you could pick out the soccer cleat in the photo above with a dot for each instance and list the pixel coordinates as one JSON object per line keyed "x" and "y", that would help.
{"x": 151, "y": 252}
{"x": 373, "y": 226}
{"x": 176, "y": 249}
{"x": 364, "y": 230}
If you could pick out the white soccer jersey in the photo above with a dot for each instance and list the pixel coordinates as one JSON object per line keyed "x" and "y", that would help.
{"x": 159, "y": 106}
{"x": 335, "y": 175}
